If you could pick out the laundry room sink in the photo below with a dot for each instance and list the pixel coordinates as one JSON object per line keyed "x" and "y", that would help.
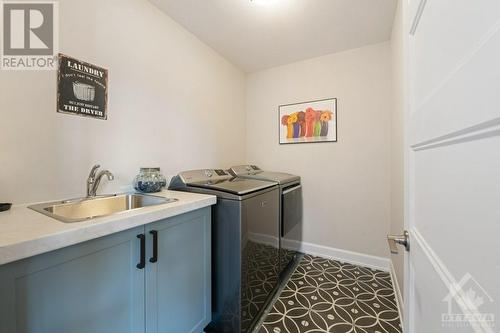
{"x": 83, "y": 209}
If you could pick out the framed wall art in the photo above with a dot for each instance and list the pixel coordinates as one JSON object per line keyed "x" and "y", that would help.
{"x": 82, "y": 88}
{"x": 308, "y": 122}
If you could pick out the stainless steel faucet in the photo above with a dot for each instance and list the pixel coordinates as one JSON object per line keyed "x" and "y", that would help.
{"x": 94, "y": 180}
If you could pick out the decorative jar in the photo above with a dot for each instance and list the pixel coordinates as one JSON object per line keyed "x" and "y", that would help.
{"x": 149, "y": 180}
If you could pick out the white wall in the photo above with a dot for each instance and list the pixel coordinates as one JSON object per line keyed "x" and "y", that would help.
{"x": 173, "y": 103}
{"x": 397, "y": 139}
{"x": 346, "y": 184}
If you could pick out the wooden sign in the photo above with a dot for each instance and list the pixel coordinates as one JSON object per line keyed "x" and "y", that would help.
{"x": 82, "y": 88}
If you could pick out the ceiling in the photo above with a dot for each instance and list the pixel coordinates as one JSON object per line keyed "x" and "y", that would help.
{"x": 258, "y": 34}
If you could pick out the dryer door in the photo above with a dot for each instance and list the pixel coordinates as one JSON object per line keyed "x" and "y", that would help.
{"x": 292, "y": 209}
{"x": 291, "y": 224}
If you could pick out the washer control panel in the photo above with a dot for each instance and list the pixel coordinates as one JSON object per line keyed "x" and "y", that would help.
{"x": 221, "y": 172}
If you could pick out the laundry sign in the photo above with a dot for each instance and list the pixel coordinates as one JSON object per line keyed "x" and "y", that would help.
{"x": 82, "y": 88}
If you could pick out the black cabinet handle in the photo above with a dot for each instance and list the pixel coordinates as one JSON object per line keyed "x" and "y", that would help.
{"x": 142, "y": 262}
{"x": 154, "y": 258}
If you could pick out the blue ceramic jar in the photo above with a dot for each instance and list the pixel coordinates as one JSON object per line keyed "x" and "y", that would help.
{"x": 149, "y": 180}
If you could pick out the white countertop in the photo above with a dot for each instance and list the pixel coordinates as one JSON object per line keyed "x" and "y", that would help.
{"x": 25, "y": 233}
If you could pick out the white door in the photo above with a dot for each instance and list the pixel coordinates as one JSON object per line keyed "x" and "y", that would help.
{"x": 452, "y": 270}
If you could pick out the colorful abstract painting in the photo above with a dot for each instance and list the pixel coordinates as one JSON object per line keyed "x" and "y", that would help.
{"x": 314, "y": 121}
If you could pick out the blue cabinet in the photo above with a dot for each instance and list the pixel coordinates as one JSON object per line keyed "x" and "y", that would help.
{"x": 178, "y": 284}
{"x": 90, "y": 287}
{"x": 95, "y": 287}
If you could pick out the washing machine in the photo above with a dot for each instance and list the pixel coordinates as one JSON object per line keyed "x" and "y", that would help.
{"x": 245, "y": 245}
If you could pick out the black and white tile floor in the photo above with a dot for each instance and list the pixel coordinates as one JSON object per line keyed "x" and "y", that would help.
{"x": 325, "y": 295}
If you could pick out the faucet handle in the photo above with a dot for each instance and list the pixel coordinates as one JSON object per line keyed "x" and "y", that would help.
{"x": 93, "y": 171}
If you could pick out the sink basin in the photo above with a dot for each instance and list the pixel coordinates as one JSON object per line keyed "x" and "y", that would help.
{"x": 78, "y": 210}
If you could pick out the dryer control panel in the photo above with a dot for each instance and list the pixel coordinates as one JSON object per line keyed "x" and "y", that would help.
{"x": 204, "y": 175}
{"x": 247, "y": 169}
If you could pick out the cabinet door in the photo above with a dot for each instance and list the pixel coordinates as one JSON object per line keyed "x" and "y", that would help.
{"x": 178, "y": 284}
{"x": 89, "y": 287}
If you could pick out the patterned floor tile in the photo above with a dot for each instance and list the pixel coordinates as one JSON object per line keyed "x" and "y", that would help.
{"x": 325, "y": 295}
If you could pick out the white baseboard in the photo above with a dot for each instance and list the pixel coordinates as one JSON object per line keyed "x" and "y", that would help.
{"x": 351, "y": 257}
{"x": 397, "y": 292}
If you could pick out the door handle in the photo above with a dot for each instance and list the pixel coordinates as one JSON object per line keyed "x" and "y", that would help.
{"x": 142, "y": 260}
{"x": 154, "y": 258}
{"x": 403, "y": 239}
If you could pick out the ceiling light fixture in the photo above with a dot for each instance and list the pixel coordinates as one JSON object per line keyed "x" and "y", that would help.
{"x": 261, "y": 2}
